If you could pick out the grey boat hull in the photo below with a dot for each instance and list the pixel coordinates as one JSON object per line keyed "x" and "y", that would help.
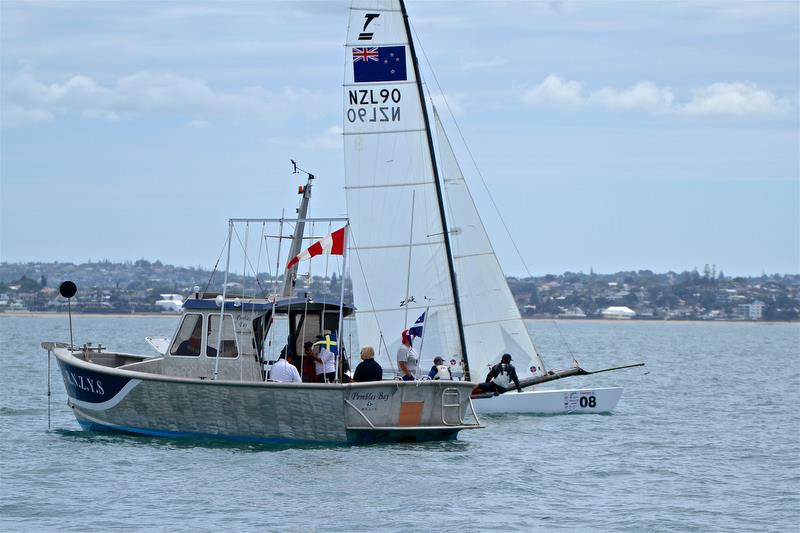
{"x": 107, "y": 398}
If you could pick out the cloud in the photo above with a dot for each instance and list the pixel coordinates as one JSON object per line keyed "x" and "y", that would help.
{"x": 330, "y": 139}
{"x": 734, "y": 99}
{"x": 645, "y": 96}
{"x": 554, "y": 90}
{"x": 717, "y": 99}
{"x": 144, "y": 92}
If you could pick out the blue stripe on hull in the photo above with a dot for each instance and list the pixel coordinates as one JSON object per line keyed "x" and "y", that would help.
{"x": 89, "y": 425}
{"x": 354, "y": 436}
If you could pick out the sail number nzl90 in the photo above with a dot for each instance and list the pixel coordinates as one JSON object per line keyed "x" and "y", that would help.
{"x": 367, "y": 105}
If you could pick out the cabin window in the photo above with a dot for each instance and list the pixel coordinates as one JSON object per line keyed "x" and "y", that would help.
{"x": 229, "y": 347}
{"x": 190, "y": 334}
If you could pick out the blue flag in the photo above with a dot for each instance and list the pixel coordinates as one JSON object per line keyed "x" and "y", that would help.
{"x": 329, "y": 343}
{"x": 419, "y": 325}
{"x": 384, "y": 63}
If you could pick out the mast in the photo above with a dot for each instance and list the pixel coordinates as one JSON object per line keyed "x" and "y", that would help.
{"x": 297, "y": 238}
{"x": 439, "y": 196}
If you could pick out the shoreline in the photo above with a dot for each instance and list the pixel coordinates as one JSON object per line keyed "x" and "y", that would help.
{"x": 43, "y": 314}
{"x": 40, "y": 314}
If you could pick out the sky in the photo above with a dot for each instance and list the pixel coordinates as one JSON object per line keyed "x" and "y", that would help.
{"x": 610, "y": 135}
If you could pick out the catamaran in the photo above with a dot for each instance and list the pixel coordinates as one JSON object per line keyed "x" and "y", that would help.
{"x": 417, "y": 235}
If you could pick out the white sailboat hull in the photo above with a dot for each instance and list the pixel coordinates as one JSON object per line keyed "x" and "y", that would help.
{"x": 551, "y": 402}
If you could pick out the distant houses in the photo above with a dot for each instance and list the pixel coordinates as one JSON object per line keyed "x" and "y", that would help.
{"x": 145, "y": 287}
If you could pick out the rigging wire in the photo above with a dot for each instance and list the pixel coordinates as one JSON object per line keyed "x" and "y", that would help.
{"x": 564, "y": 340}
{"x": 214, "y": 270}
{"x": 381, "y": 341}
{"x": 247, "y": 259}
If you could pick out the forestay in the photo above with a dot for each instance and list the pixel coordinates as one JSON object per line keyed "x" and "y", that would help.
{"x": 389, "y": 167}
{"x": 492, "y": 323}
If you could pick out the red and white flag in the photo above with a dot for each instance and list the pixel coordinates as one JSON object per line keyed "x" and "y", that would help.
{"x": 333, "y": 244}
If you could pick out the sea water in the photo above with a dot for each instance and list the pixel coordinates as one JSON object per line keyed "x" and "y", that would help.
{"x": 705, "y": 438}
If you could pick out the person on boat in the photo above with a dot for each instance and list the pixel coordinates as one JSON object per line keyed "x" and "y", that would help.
{"x": 439, "y": 370}
{"x": 283, "y": 370}
{"x": 309, "y": 363}
{"x": 324, "y": 364}
{"x": 500, "y": 377}
{"x": 191, "y": 346}
{"x": 368, "y": 369}
{"x": 406, "y": 358}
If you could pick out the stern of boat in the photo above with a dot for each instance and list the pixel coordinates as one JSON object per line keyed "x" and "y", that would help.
{"x": 401, "y": 411}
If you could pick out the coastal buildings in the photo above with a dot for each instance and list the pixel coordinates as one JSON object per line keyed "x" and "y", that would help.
{"x": 141, "y": 286}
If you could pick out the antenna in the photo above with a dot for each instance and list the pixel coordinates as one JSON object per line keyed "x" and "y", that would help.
{"x": 68, "y": 290}
{"x": 299, "y": 170}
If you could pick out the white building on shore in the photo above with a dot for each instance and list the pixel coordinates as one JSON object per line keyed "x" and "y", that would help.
{"x": 618, "y": 312}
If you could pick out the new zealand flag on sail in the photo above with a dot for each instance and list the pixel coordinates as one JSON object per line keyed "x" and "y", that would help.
{"x": 384, "y": 63}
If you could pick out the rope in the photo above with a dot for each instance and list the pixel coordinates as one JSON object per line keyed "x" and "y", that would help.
{"x": 214, "y": 270}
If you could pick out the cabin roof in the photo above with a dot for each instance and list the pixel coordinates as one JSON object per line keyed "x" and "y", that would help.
{"x": 283, "y": 305}
{"x": 314, "y": 304}
{"x": 230, "y": 305}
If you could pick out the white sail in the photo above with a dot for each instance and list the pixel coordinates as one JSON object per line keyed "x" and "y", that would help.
{"x": 388, "y": 166}
{"x": 492, "y": 323}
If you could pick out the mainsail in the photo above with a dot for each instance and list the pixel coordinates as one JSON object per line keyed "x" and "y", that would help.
{"x": 399, "y": 248}
{"x": 492, "y": 323}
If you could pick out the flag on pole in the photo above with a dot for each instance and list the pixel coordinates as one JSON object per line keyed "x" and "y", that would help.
{"x": 419, "y": 325}
{"x": 417, "y": 329}
{"x": 328, "y": 341}
{"x": 333, "y": 244}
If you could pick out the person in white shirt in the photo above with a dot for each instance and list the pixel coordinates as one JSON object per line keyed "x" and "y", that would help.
{"x": 406, "y": 359}
{"x": 283, "y": 370}
{"x": 325, "y": 365}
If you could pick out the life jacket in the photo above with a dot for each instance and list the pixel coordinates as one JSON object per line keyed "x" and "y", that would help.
{"x": 442, "y": 372}
{"x": 503, "y": 377}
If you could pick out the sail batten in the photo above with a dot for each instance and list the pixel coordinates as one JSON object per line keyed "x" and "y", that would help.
{"x": 389, "y": 247}
{"x": 388, "y": 185}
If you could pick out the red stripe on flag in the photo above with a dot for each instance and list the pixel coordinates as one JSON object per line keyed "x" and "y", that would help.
{"x": 315, "y": 249}
{"x": 335, "y": 241}
{"x": 338, "y": 242}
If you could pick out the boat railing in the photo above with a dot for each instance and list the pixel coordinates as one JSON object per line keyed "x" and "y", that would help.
{"x": 451, "y": 401}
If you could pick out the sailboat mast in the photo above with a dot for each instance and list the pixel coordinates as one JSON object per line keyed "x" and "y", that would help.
{"x": 439, "y": 195}
{"x": 297, "y": 238}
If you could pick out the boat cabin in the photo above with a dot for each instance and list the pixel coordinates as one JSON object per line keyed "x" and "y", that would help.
{"x": 246, "y": 344}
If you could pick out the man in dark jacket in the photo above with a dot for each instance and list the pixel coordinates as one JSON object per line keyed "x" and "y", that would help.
{"x": 368, "y": 369}
{"x": 500, "y": 377}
